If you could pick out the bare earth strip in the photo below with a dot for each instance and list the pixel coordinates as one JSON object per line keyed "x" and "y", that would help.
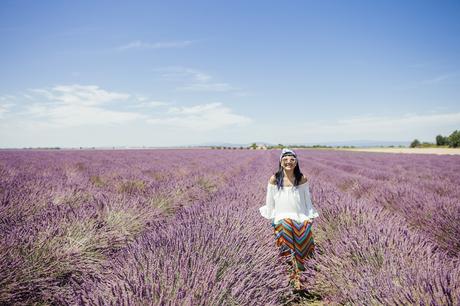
{"x": 438, "y": 151}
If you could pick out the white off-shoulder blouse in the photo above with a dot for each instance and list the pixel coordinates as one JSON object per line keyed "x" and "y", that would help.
{"x": 288, "y": 202}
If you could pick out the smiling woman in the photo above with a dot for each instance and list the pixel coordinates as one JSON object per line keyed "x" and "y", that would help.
{"x": 289, "y": 207}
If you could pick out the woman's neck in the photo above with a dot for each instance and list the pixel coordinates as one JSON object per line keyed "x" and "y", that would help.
{"x": 289, "y": 174}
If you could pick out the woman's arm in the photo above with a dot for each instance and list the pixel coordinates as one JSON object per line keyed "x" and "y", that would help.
{"x": 303, "y": 180}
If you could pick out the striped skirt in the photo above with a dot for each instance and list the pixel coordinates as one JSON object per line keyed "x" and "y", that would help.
{"x": 295, "y": 240}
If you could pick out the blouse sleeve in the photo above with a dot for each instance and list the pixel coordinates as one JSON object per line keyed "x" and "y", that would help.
{"x": 311, "y": 211}
{"x": 268, "y": 210}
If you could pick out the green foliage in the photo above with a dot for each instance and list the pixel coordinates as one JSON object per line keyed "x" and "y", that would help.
{"x": 74, "y": 251}
{"x": 441, "y": 140}
{"x": 131, "y": 186}
{"x": 415, "y": 143}
{"x": 427, "y": 145}
{"x": 164, "y": 203}
{"x": 122, "y": 225}
{"x": 80, "y": 166}
{"x": 280, "y": 146}
{"x": 73, "y": 199}
{"x": 97, "y": 181}
{"x": 346, "y": 147}
{"x": 207, "y": 184}
{"x": 454, "y": 139}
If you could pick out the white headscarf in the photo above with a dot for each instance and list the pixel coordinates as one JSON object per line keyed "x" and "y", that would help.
{"x": 284, "y": 151}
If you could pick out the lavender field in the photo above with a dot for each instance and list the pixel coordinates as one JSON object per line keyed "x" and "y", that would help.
{"x": 182, "y": 227}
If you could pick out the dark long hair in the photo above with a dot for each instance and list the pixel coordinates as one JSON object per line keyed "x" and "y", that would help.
{"x": 279, "y": 175}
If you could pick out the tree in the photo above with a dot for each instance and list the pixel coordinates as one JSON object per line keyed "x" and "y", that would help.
{"x": 253, "y": 145}
{"x": 415, "y": 143}
{"x": 441, "y": 140}
{"x": 454, "y": 139}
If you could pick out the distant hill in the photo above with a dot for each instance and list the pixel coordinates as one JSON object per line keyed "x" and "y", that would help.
{"x": 356, "y": 143}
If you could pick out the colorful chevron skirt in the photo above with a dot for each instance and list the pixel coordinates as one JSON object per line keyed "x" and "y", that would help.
{"x": 295, "y": 239}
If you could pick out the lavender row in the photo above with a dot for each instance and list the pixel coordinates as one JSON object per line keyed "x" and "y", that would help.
{"x": 217, "y": 249}
{"x": 431, "y": 206}
{"x": 59, "y": 228}
{"x": 367, "y": 255}
{"x": 214, "y": 253}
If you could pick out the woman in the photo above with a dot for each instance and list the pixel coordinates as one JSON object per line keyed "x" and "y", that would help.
{"x": 289, "y": 207}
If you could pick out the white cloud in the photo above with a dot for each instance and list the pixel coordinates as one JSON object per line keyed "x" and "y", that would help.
{"x": 151, "y": 104}
{"x": 75, "y": 94}
{"x": 3, "y": 110}
{"x": 403, "y": 127}
{"x": 195, "y": 80}
{"x": 217, "y": 87}
{"x": 6, "y": 104}
{"x": 201, "y": 117}
{"x": 28, "y": 97}
{"x": 93, "y": 116}
{"x": 440, "y": 78}
{"x": 65, "y": 106}
{"x": 73, "y": 105}
{"x": 404, "y": 121}
{"x": 76, "y": 115}
{"x": 6, "y": 98}
{"x": 138, "y": 44}
{"x": 146, "y": 102}
{"x": 183, "y": 74}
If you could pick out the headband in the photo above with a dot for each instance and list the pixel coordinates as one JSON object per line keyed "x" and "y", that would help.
{"x": 287, "y": 151}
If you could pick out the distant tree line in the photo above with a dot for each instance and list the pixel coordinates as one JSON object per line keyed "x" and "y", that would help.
{"x": 41, "y": 148}
{"x": 226, "y": 148}
{"x": 281, "y": 146}
{"x": 255, "y": 146}
{"x": 452, "y": 141}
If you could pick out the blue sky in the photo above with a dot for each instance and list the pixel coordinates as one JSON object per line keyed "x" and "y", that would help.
{"x": 113, "y": 73}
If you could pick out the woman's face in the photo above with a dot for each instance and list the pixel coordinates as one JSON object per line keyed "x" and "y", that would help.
{"x": 288, "y": 162}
